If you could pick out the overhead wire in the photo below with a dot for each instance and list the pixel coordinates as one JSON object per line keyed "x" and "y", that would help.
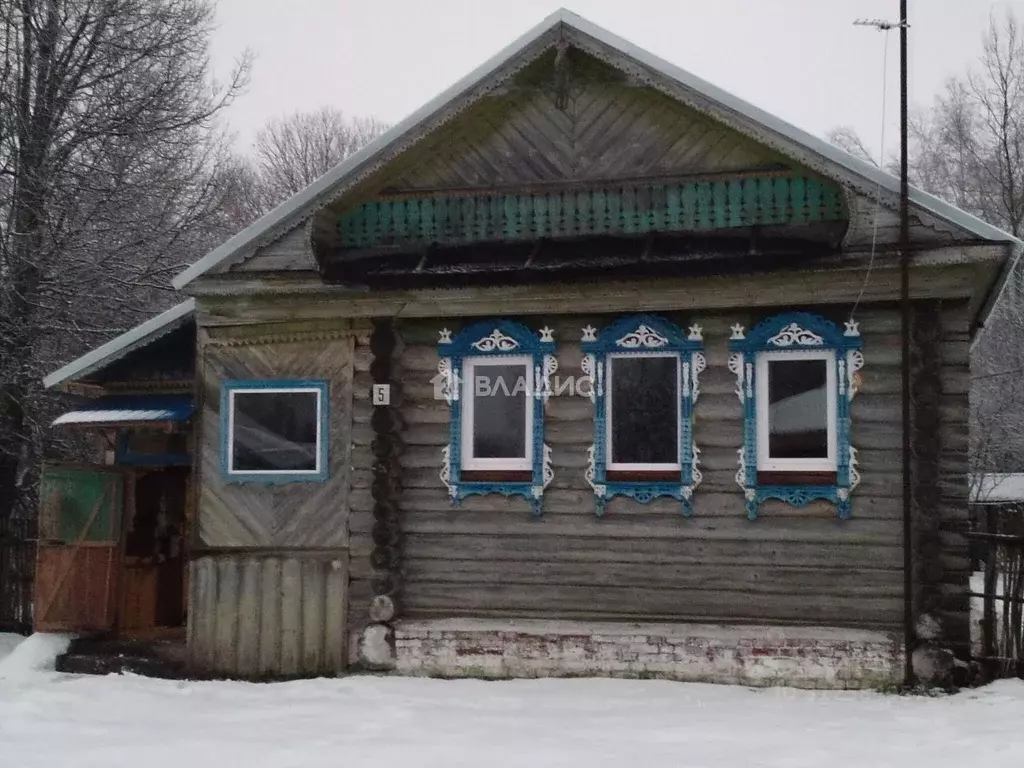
{"x": 878, "y": 187}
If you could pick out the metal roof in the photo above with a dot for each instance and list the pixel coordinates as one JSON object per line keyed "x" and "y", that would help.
{"x": 344, "y": 171}
{"x": 120, "y": 346}
{"x": 131, "y": 410}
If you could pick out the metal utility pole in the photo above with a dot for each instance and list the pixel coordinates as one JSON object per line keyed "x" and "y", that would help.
{"x": 909, "y": 633}
{"x": 905, "y": 315}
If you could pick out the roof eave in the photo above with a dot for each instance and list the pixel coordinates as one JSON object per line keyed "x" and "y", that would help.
{"x": 1015, "y": 250}
{"x": 120, "y": 346}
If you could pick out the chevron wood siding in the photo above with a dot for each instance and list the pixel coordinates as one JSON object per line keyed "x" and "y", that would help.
{"x": 264, "y": 616}
{"x": 604, "y": 132}
{"x": 291, "y": 251}
{"x": 290, "y": 515}
{"x": 604, "y": 127}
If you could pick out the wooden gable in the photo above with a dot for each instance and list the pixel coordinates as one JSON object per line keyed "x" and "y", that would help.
{"x": 575, "y": 119}
{"x": 571, "y": 146}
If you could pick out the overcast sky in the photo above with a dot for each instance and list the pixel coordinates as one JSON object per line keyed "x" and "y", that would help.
{"x": 800, "y": 59}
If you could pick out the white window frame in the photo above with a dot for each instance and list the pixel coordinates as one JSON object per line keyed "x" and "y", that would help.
{"x": 611, "y": 466}
{"x": 765, "y": 463}
{"x": 469, "y": 461}
{"x": 230, "y": 458}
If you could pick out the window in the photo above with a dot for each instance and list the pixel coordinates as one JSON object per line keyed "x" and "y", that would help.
{"x": 643, "y": 412}
{"x": 644, "y": 373}
{"x": 796, "y": 410}
{"x": 795, "y": 375}
{"x": 495, "y": 375}
{"x": 274, "y": 431}
{"x": 498, "y": 412}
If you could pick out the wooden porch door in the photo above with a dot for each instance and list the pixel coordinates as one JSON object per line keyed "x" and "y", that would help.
{"x": 79, "y": 554}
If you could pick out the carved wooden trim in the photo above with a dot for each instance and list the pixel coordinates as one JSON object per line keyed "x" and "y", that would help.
{"x": 595, "y": 209}
{"x": 277, "y": 338}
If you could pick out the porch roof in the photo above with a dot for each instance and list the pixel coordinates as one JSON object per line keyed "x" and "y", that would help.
{"x": 130, "y": 410}
{"x": 118, "y": 347}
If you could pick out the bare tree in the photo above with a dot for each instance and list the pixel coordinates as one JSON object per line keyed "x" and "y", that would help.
{"x": 848, "y": 139}
{"x": 970, "y": 150}
{"x": 292, "y": 152}
{"x": 109, "y": 156}
{"x": 967, "y": 147}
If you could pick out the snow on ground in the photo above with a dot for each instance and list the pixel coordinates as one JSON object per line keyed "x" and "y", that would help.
{"x": 382, "y": 722}
{"x": 32, "y": 655}
{"x": 7, "y": 643}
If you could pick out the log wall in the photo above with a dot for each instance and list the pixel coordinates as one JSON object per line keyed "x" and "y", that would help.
{"x": 489, "y": 558}
{"x": 940, "y": 359}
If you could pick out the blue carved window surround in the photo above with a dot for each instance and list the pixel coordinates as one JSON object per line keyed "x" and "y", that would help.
{"x": 490, "y": 341}
{"x": 802, "y": 334}
{"x": 643, "y": 335}
{"x": 274, "y": 454}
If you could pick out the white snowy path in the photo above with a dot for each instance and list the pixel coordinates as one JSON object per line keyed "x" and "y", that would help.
{"x": 52, "y": 719}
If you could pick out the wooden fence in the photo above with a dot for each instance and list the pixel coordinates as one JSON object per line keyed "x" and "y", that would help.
{"x": 1000, "y": 545}
{"x": 17, "y": 567}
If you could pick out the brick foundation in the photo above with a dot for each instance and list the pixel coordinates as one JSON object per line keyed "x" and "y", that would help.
{"x": 808, "y": 657}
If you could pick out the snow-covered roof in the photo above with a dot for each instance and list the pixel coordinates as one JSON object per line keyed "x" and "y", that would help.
{"x": 120, "y": 346}
{"x": 997, "y": 487}
{"x": 317, "y": 192}
{"x": 130, "y": 410}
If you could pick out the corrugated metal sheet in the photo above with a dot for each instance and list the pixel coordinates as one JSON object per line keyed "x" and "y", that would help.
{"x": 71, "y": 497}
{"x": 131, "y": 410}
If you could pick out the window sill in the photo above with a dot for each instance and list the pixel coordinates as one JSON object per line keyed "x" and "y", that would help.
{"x": 642, "y": 476}
{"x": 496, "y": 476}
{"x": 796, "y": 478}
{"x": 238, "y": 478}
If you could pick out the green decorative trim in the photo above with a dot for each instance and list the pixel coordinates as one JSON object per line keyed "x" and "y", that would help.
{"x": 630, "y": 209}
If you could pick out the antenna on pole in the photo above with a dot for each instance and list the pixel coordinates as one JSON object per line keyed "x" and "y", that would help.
{"x": 880, "y": 24}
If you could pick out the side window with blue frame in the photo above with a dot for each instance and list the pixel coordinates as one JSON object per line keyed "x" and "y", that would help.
{"x": 796, "y": 374}
{"x": 495, "y": 375}
{"x": 274, "y": 431}
{"x": 645, "y": 381}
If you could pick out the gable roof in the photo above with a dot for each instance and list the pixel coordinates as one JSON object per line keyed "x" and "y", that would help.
{"x": 305, "y": 201}
{"x": 118, "y": 347}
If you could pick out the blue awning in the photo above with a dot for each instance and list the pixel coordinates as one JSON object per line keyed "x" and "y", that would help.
{"x": 130, "y": 410}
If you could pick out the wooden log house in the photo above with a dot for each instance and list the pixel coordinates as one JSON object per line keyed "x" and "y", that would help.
{"x": 586, "y": 367}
